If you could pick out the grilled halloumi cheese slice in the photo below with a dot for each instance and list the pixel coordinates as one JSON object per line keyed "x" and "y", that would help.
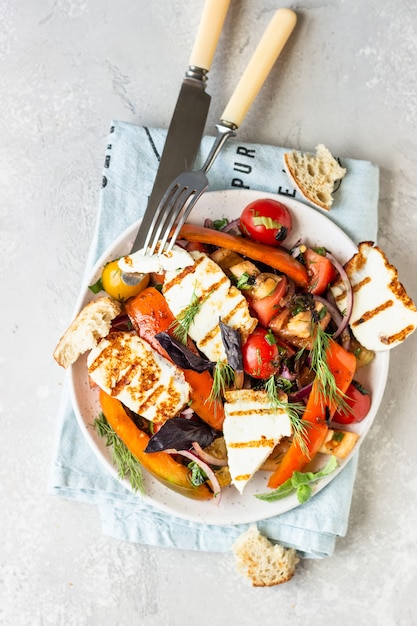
{"x": 252, "y": 429}
{"x": 383, "y": 314}
{"x": 129, "y": 369}
{"x": 217, "y": 298}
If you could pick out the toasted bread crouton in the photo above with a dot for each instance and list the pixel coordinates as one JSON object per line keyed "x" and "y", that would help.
{"x": 314, "y": 175}
{"x": 91, "y": 324}
{"x": 264, "y": 563}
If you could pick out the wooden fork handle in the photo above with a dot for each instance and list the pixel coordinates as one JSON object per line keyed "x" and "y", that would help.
{"x": 269, "y": 48}
{"x": 208, "y": 33}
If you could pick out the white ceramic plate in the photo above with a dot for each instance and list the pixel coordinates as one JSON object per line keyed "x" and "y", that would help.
{"x": 315, "y": 229}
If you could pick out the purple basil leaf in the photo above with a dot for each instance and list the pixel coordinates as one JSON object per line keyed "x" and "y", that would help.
{"x": 232, "y": 345}
{"x": 183, "y": 356}
{"x": 179, "y": 433}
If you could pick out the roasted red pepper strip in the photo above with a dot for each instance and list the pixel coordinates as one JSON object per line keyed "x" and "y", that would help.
{"x": 278, "y": 258}
{"x": 160, "y": 464}
{"x": 150, "y": 314}
{"x": 342, "y": 365}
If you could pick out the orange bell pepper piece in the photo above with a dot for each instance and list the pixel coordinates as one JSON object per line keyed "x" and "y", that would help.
{"x": 160, "y": 464}
{"x": 342, "y": 364}
{"x": 278, "y": 258}
{"x": 150, "y": 314}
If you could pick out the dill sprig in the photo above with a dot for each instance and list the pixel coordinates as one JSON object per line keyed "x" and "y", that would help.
{"x": 294, "y": 411}
{"x": 326, "y": 386}
{"x": 223, "y": 379}
{"x": 181, "y": 325}
{"x": 127, "y": 465}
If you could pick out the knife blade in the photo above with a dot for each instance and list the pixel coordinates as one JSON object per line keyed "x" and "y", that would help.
{"x": 190, "y": 114}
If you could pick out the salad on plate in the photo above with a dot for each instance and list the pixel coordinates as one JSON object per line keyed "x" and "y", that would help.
{"x": 245, "y": 366}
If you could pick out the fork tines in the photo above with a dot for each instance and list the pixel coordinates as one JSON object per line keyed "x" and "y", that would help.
{"x": 173, "y": 210}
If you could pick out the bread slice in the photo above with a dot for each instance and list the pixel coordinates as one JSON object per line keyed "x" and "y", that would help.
{"x": 314, "y": 175}
{"x": 91, "y": 324}
{"x": 264, "y": 563}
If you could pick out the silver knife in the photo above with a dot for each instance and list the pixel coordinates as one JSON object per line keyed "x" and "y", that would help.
{"x": 189, "y": 118}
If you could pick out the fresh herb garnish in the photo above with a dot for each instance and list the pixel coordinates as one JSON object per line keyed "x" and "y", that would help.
{"x": 325, "y": 386}
{"x": 97, "y": 287}
{"x": 221, "y": 223}
{"x": 301, "y": 302}
{"x": 127, "y": 465}
{"x": 185, "y": 318}
{"x": 300, "y": 484}
{"x": 232, "y": 345}
{"x": 183, "y": 356}
{"x": 294, "y": 411}
{"x": 245, "y": 281}
{"x": 179, "y": 433}
{"x": 223, "y": 379}
{"x": 197, "y": 475}
{"x": 283, "y": 384}
{"x": 270, "y": 338}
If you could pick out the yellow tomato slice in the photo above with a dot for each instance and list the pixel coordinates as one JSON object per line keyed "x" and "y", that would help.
{"x": 116, "y": 287}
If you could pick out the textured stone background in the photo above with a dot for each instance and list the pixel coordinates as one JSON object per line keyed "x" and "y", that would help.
{"x": 67, "y": 68}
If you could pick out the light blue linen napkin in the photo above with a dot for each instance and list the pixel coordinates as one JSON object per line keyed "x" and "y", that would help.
{"x": 131, "y": 162}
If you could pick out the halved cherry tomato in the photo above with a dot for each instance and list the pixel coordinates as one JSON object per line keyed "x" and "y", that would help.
{"x": 358, "y": 400}
{"x": 320, "y": 269}
{"x": 265, "y": 308}
{"x": 261, "y": 355}
{"x": 266, "y": 221}
{"x": 116, "y": 287}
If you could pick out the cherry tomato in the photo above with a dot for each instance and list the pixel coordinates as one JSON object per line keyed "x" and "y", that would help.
{"x": 116, "y": 287}
{"x": 320, "y": 270}
{"x": 266, "y": 221}
{"x": 265, "y": 308}
{"x": 261, "y": 356}
{"x": 358, "y": 401}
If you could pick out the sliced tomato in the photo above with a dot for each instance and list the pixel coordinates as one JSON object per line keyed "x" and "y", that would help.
{"x": 261, "y": 354}
{"x": 114, "y": 284}
{"x": 358, "y": 400}
{"x": 266, "y": 221}
{"x": 265, "y": 308}
{"x": 321, "y": 271}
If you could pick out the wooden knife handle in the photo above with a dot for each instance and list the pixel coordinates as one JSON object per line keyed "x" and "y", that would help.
{"x": 211, "y": 24}
{"x": 264, "y": 57}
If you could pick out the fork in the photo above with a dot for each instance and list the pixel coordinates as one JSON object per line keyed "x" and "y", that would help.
{"x": 185, "y": 191}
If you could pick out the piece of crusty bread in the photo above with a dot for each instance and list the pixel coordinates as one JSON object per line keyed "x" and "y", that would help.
{"x": 314, "y": 175}
{"x": 264, "y": 563}
{"x": 91, "y": 324}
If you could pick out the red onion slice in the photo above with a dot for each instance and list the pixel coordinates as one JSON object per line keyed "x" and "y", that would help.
{"x": 204, "y": 466}
{"x": 233, "y": 225}
{"x": 349, "y": 294}
{"x": 208, "y": 458}
{"x": 301, "y": 394}
{"x": 332, "y": 309}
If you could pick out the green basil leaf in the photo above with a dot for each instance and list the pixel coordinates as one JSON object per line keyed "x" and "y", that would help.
{"x": 304, "y": 493}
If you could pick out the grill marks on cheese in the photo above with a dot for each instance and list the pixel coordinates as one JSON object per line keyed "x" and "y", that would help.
{"x": 128, "y": 368}
{"x": 218, "y": 298}
{"x": 252, "y": 429}
{"x": 383, "y": 314}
